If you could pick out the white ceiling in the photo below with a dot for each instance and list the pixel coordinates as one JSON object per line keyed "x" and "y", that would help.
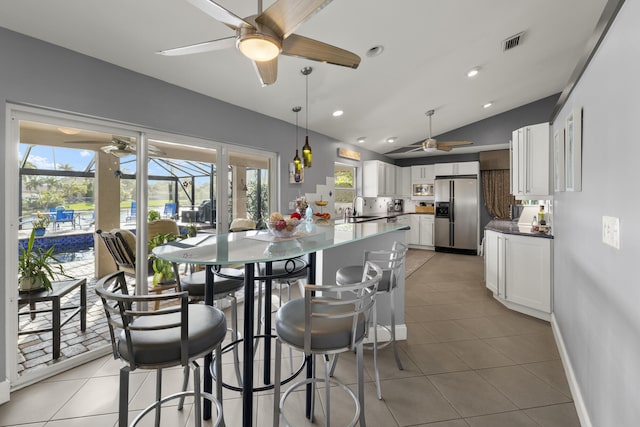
{"x": 429, "y": 45}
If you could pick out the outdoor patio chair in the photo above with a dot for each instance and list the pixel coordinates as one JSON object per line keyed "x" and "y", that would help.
{"x": 121, "y": 245}
{"x": 169, "y": 210}
{"x": 64, "y": 215}
{"x": 132, "y": 212}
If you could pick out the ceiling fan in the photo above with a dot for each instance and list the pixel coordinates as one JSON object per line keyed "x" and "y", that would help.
{"x": 430, "y": 145}
{"x": 264, "y": 36}
{"x": 122, "y": 147}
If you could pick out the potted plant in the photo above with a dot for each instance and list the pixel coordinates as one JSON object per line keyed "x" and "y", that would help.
{"x": 36, "y": 267}
{"x": 162, "y": 270}
{"x": 40, "y": 223}
{"x": 153, "y": 215}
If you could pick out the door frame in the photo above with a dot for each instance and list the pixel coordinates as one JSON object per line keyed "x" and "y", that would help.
{"x": 18, "y": 112}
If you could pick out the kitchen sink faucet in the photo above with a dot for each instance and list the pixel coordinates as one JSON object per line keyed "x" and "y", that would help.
{"x": 353, "y": 204}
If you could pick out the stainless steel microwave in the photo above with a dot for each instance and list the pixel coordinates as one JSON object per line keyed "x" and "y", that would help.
{"x": 422, "y": 190}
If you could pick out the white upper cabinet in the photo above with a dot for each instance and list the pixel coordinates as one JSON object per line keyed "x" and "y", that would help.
{"x": 461, "y": 168}
{"x": 424, "y": 174}
{"x": 530, "y": 162}
{"x": 379, "y": 179}
{"x": 403, "y": 182}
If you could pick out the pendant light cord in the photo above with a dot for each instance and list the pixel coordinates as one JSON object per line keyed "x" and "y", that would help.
{"x": 307, "y": 104}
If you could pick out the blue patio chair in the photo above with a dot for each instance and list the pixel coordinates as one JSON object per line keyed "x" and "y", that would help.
{"x": 169, "y": 210}
{"x": 132, "y": 213}
{"x": 66, "y": 215}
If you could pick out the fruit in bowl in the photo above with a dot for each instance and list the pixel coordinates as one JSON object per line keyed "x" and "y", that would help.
{"x": 321, "y": 203}
{"x": 279, "y": 226}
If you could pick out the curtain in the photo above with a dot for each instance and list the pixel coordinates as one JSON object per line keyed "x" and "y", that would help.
{"x": 496, "y": 190}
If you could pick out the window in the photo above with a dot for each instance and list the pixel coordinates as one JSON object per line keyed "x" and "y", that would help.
{"x": 345, "y": 183}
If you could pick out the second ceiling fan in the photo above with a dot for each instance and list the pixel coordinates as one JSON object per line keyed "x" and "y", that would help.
{"x": 431, "y": 145}
{"x": 264, "y": 36}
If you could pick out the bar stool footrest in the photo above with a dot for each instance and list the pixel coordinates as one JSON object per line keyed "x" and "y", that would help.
{"x": 229, "y": 346}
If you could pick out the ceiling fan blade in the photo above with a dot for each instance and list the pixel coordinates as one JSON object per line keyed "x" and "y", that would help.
{"x": 209, "y": 46}
{"x": 219, "y": 13}
{"x": 454, "y": 143}
{"x": 443, "y": 148}
{"x": 285, "y": 16}
{"x": 267, "y": 71}
{"x": 304, "y": 47}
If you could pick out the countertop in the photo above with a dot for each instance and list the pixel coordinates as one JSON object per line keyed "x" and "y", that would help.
{"x": 511, "y": 227}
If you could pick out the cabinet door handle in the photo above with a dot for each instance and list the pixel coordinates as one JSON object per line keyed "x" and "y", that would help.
{"x": 504, "y": 266}
{"x": 528, "y": 168}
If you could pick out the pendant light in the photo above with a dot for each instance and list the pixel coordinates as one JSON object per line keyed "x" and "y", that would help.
{"x": 306, "y": 149}
{"x": 297, "y": 163}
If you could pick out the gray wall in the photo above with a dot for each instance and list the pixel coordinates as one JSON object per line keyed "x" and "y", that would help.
{"x": 37, "y": 73}
{"x": 596, "y": 287}
{"x": 493, "y": 130}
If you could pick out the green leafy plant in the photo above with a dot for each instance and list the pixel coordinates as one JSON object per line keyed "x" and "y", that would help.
{"x": 41, "y": 220}
{"x": 37, "y": 264}
{"x": 153, "y": 215}
{"x": 162, "y": 270}
{"x": 192, "y": 230}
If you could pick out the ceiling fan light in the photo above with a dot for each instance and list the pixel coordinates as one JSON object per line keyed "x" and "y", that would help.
{"x": 430, "y": 145}
{"x": 69, "y": 131}
{"x": 259, "y": 48}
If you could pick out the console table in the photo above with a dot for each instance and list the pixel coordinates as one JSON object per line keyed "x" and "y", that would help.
{"x": 60, "y": 289}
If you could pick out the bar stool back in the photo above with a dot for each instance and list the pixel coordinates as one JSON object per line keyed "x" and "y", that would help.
{"x": 391, "y": 263}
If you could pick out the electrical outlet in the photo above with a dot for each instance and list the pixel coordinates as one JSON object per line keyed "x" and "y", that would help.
{"x": 611, "y": 231}
{"x": 292, "y": 205}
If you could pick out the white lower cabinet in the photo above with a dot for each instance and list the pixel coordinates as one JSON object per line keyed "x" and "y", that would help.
{"x": 421, "y": 233}
{"x": 518, "y": 272}
{"x": 426, "y": 230}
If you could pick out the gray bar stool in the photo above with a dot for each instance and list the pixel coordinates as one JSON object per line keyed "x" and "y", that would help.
{"x": 327, "y": 325}
{"x": 226, "y": 283}
{"x": 155, "y": 339}
{"x": 390, "y": 262}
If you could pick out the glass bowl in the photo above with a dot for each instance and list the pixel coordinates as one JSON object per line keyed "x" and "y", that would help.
{"x": 284, "y": 227}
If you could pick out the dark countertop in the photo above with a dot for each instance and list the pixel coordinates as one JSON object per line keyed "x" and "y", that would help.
{"x": 510, "y": 227}
{"x": 383, "y": 215}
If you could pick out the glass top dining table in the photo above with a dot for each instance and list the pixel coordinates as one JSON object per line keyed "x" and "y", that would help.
{"x": 260, "y": 246}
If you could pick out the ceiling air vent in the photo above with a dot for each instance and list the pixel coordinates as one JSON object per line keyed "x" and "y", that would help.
{"x": 511, "y": 42}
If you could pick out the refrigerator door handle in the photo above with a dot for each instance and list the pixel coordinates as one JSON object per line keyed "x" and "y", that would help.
{"x": 452, "y": 201}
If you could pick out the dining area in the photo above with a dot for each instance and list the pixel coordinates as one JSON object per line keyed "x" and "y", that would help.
{"x": 256, "y": 264}
{"x": 316, "y": 244}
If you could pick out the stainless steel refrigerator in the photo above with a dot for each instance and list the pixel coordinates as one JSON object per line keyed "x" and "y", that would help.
{"x": 456, "y": 214}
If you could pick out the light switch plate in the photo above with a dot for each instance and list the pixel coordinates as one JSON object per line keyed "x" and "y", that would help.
{"x": 611, "y": 231}
{"x": 292, "y": 205}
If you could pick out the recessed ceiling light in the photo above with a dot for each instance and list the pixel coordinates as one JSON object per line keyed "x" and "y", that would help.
{"x": 375, "y": 51}
{"x": 487, "y": 105}
{"x": 362, "y": 139}
{"x": 338, "y": 113}
{"x": 473, "y": 72}
{"x": 392, "y": 139}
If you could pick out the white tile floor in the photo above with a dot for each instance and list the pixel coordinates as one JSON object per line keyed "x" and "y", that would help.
{"x": 469, "y": 362}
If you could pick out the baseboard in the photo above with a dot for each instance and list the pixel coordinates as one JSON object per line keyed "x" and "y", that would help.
{"x": 5, "y": 386}
{"x": 384, "y": 335}
{"x": 578, "y": 399}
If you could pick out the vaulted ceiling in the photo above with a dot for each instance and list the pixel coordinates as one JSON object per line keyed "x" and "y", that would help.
{"x": 428, "y": 46}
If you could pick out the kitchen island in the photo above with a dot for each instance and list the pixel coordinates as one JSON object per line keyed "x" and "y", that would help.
{"x": 328, "y": 248}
